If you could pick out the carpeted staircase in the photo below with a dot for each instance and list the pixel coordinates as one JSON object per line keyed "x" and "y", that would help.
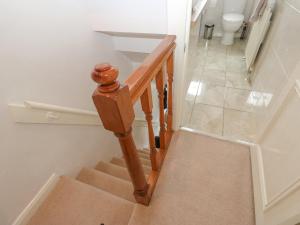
{"x": 204, "y": 181}
{"x": 100, "y": 195}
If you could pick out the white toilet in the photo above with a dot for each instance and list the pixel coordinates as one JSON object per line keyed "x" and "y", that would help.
{"x": 233, "y": 18}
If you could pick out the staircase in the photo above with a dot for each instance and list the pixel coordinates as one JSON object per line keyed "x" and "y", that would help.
{"x": 190, "y": 179}
{"x": 209, "y": 182}
{"x": 103, "y": 194}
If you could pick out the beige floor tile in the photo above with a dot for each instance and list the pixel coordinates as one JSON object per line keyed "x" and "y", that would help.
{"x": 217, "y": 62}
{"x": 221, "y": 52}
{"x": 237, "y": 49}
{"x": 216, "y": 77}
{"x": 237, "y": 80}
{"x": 187, "y": 112}
{"x": 239, "y": 125}
{"x": 235, "y": 64}
{"x": 207, "y": 118}
{"x": 210, "y": 94}
{"x": 238, "y": 99}
{"x": 217, "y": 74}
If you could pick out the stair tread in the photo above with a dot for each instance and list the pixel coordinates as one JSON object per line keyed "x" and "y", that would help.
{"x": 106, "y": 182}
{"x": 76, "y": 203}
{"x": 145, "y": 161}
{"x": 144, "y": 155}
{"x": 113, "y": 170}
{"x": 121, "y": 162}
{"x": 144, "y": 150}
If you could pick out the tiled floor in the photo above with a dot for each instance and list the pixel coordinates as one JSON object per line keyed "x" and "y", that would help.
{"x": 219, "y": 99}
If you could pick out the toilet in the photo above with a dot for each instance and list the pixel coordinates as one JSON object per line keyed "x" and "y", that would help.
{"x": 233, "y": 18}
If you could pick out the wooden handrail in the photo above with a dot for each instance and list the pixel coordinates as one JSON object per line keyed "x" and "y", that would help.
{"x": 114, "y": 103}
{"x": 140, "y": 79}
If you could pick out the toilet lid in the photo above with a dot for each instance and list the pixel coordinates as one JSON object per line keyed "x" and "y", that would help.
{"x": 233, "y": 17}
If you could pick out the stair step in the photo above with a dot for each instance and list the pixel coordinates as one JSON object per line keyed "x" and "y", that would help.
{"x": 106, "y": 182}
{"x": 121, "y": 162}
{"x": 145, "y": 162}
{"x": 113, "y": 170}
{"x": 73, "y": 202}
{"x": 144, "y": 150}
{"x": 143, "y": 155}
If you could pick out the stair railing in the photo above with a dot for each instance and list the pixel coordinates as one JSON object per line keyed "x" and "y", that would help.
{"x": 115, "y": 101}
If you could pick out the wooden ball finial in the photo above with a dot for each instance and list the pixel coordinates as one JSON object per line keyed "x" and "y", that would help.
{"x": 106, "y": 76}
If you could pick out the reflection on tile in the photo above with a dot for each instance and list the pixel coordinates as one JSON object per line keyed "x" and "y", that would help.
{"x": 235, "y": 64}
{"x": 216, "y": 77}
{"x": 237, "y": 80}
{"x": 210, "y": 94}
{"x": 239, "y": 125}
{"x": 238, "y": 99}
{"x": 207, "y": 118}
{"x": 192, "y": 91}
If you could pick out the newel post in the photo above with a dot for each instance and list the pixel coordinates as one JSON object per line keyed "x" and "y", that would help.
{"x": 115, "y": 109}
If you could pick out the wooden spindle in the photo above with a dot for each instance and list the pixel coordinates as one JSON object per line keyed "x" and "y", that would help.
{"x": 115, "y": 109}
{"x": 160, "y": 89}
{"x": 170, "y": 71}
{"x": 147, "y": 105}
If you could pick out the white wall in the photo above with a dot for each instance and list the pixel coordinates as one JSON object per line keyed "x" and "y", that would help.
{"x": 276, "y": 72}
{"x": 47, "y": 51}
{"x": 133, "y": 16}
{"x": 179, "y": 13}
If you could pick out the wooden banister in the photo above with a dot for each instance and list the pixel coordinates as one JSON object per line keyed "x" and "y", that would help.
{"x": 114, "y": 103}
{"x": 140, "y": 79}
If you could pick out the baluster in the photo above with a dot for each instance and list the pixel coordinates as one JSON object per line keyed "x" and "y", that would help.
{"x": 160, "y": 89}
{"x": 147, "y": 105}
{"x": 115, "y": 109}
{"x": 170, "y": 71}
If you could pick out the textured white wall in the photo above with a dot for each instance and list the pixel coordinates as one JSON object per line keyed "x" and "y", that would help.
{"x": 47, "y": 51}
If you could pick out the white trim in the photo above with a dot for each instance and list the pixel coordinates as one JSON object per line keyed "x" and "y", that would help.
{"x": 36, "y": 202}
{"x": 42, "y": 113}
{"x": 198, "y": 9}
{"x": 258, "y": 180}
{"x": 262, "y": 203}
{"x": 283, "y": 194}
{"x": 222, "y": 138}
{"x": 56, "y": 108}
{"x": 297, "y": 87}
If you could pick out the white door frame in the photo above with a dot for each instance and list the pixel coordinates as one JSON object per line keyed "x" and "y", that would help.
{"x": 179, "y": 17}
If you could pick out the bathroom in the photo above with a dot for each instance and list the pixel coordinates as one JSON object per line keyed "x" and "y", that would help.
{"x": 220, "y": 99}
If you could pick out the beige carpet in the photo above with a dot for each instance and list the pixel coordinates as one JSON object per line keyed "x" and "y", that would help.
{"x": 204, "y": 181}
{"x": 75, "y": 203}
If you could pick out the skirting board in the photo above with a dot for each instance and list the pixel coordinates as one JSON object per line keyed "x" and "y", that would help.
{"x": 258, "y": 180}
{"x": 42, "y": 113}
{"x": 33, "y": 206}
{"x": 262, "y": 203}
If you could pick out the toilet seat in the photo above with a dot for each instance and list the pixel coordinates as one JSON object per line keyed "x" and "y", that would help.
{"x": 233, "y": 17}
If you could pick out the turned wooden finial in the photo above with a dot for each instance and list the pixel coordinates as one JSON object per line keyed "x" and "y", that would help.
{"x": 106, "y": 76}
